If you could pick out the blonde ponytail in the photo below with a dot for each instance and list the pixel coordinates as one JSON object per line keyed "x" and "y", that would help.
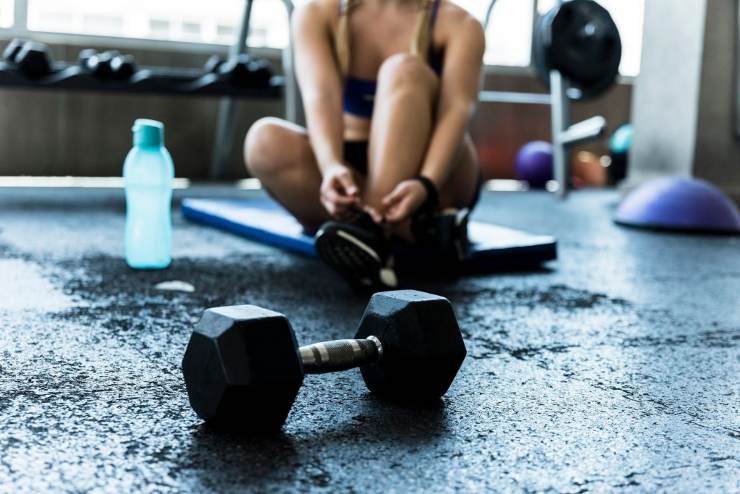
{"x": 420, "y": 41}
{"x": 342, "y": 43}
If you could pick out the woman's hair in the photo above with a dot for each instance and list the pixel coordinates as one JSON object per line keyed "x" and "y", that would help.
{"x": 419, "y": 43}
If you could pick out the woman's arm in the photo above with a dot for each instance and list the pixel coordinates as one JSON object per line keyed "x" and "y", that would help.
{"x": 460, "y": 81}
{"x": 320, "y": 83}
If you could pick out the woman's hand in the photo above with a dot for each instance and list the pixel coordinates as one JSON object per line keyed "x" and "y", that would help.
{"x": 339, "y": 193}
{"x": 403, "y": 201}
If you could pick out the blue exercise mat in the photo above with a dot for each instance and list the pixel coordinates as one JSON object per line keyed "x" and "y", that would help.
{"x": 493, "y": 248}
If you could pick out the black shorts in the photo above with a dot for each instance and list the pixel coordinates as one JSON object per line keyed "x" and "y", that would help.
{"x": 355, "y": 153}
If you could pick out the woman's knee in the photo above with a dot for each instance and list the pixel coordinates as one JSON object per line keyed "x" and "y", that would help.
{"x": 406, "y": 70}
{"x": 265, "y": 146}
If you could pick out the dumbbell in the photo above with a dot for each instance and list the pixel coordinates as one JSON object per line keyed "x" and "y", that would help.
{"x": 243, "y": 71}
{"x": 108, "y": 65}
{"x": 123, "y": 66}
{"x": 235, "y": 69}
{"x": 243, "y": 367}
{"x": 213, "y": 63}
{"x": 32, "y": 58}
{"x": 10, "y": 53}
{"x": 261, "y": 73}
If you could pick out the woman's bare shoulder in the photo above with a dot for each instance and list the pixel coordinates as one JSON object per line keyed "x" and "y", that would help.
{"x": 326, "y": 10}
{"x": 455, "y": 16}
{"x": 453, "y": 19}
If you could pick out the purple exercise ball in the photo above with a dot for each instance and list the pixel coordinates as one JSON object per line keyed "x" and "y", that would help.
{"x": 679, "y": 203}
{"x": 533, "y": 163}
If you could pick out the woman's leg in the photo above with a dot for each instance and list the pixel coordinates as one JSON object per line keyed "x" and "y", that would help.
{"x": 401, "y": 124}
{"x": 401, "y": 127}
{"x": 462, "y": 186}
{"x": 279, "y": 154}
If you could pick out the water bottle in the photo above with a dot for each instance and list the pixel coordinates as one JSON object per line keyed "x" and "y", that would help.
{"x": 147, "y": 173}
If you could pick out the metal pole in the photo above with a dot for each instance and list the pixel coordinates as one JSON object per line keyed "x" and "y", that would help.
{"x": 560, "y": 121}
{"x": 737, "y": 72}
{"x": 489, "y": 12}
{"x": 225, "y": 127}
{"x": 514, "y": 97}
{"x": 293, "y": 105}
{"x": 20, "y": 16}
{"x": 560, "y": 118}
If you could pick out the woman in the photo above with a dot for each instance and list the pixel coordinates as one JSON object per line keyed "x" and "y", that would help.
{"x": 388, "y": 89}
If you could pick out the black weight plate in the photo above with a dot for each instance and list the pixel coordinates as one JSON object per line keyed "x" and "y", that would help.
{"x": 581, "y": 40}
{"x": 585, "y": 42}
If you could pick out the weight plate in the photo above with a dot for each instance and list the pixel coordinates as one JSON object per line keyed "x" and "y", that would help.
{"x": 580, "y": 39}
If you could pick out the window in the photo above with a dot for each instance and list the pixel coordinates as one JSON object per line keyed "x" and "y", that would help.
{"x": 158, "y": 28}
{"x": 203, "y": 22}
{"x": 509, "y": 31}
{"x": 191, "y": 30}
{"x": 269, "y": 25}
{"x": 6, "y": 13}
{"x": 225, "y": 31}
{"x": 103, "y": 23}
{"x": 628, "y": 16}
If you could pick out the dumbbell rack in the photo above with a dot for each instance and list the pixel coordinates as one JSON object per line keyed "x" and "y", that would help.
{"x": 564, "y": 134}
{"x": 158, "y": 80}
{"x": 186, "y": 82}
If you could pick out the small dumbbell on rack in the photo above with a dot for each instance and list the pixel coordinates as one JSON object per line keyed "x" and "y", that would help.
{"x": 242, "y": 70}
{"x": 109, "y": 65}
{"x": 243, "y": 367}
{"x": 31, "y": 58}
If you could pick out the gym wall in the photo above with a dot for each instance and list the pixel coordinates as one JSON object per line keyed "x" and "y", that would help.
{"x": 88, "y": 134}
{"x": 683, "y": 107}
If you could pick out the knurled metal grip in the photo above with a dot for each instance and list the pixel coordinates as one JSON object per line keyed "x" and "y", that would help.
{"x": 339, "y": 355}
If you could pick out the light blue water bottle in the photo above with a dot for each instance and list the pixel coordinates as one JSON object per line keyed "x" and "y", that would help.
{"x": 148, "y": 172}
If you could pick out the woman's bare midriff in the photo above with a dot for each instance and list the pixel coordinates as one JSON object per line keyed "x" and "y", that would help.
{"x": 356, "y": 128}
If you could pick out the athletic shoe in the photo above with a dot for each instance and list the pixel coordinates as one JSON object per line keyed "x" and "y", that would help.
{"x": 358, "y": 250}
{"x": 445, "y": 231}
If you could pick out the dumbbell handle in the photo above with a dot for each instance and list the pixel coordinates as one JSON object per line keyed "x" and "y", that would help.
{"x": 339, "y": 355}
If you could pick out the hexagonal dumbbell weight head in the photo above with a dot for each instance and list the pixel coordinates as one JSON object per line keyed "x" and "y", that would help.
{"x": 10, "y": 54}
{"x": 421, "y": 344}
{"x": 34, "y": 60}
{"x": 242, "y": 368}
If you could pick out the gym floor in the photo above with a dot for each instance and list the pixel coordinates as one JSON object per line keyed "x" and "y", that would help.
{"x": 614, "y": 368}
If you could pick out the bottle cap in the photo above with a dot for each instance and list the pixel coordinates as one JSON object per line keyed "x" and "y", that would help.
{"x": 148, "y": 132}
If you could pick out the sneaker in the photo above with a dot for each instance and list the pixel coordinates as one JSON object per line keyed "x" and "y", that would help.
{"x": 445, "y": 231}
{"x": 358, "y": 250}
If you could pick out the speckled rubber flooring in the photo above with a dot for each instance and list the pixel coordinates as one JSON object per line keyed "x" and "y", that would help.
{"x": 615, "y": 368}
